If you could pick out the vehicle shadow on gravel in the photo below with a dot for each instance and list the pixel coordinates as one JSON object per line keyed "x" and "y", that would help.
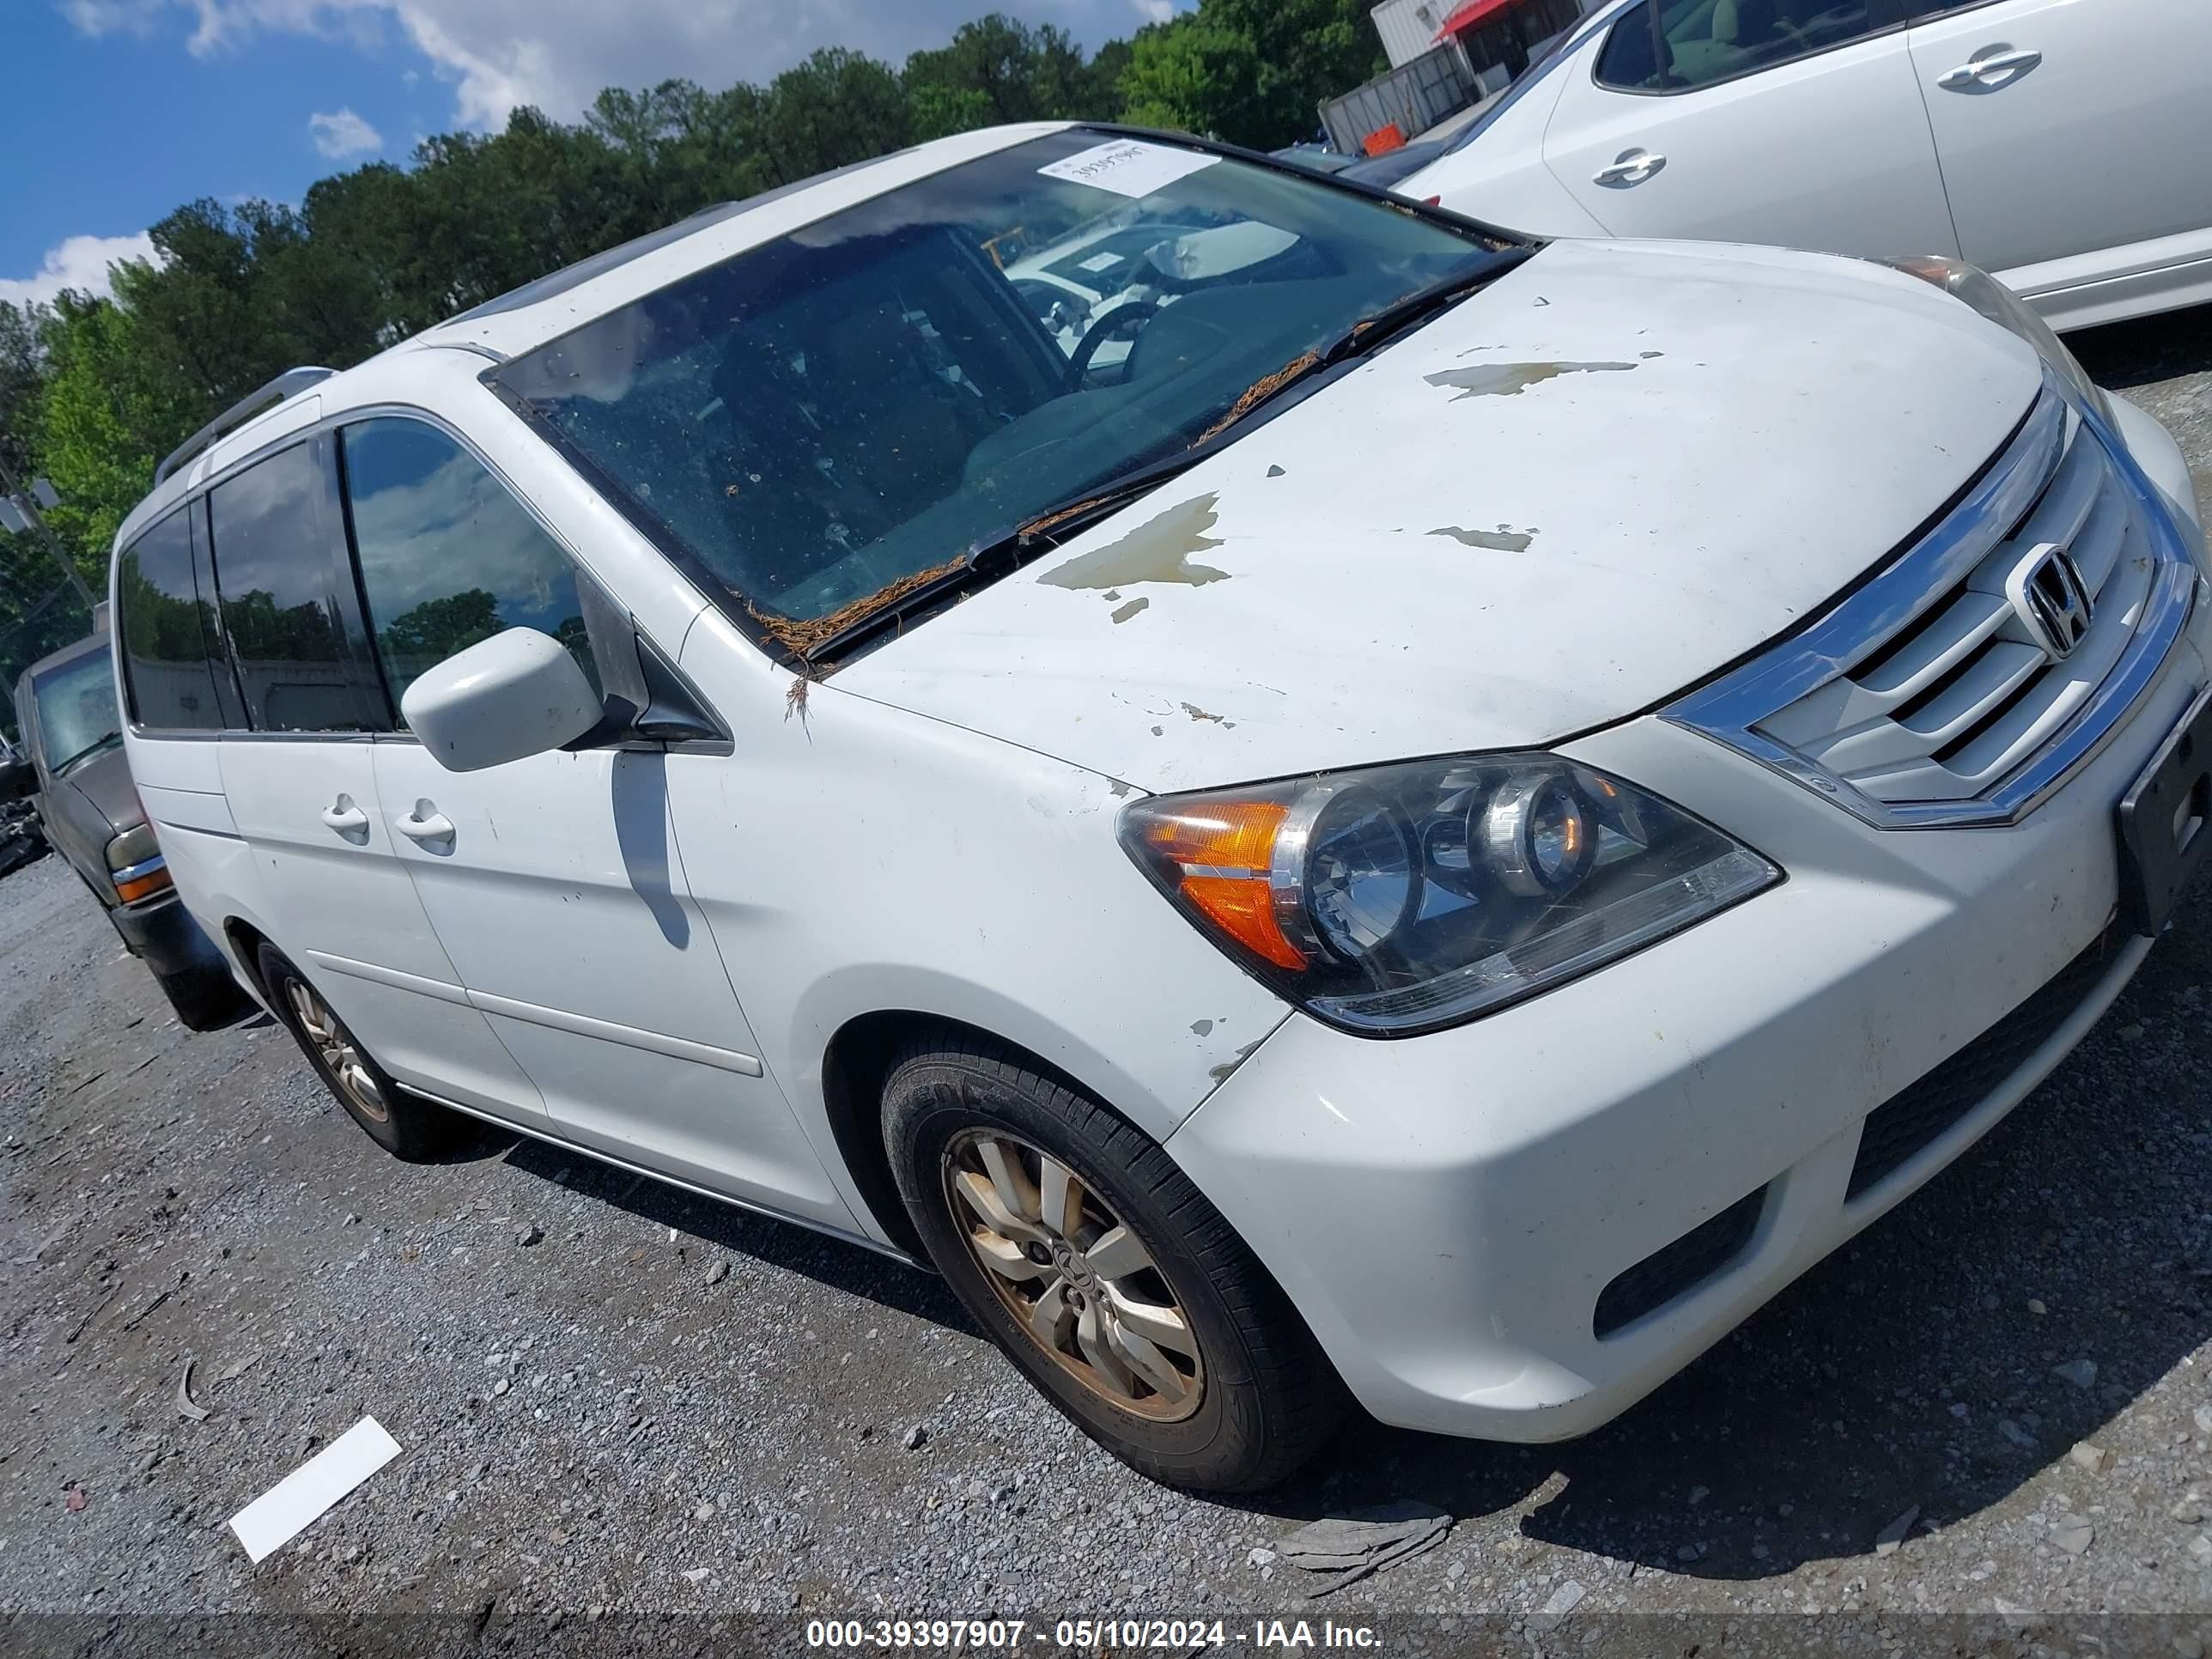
{"x": 718, "y": 1226}
{"x": 1918, "y": 1368}
{"x": 2146, "y": 349}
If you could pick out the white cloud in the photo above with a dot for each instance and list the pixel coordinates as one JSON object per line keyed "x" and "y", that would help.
{"x": 99, "y": 17}
{"x": 557, "y": 54}
{"x": 80, "y": 262}
{"x": 1154, "y": 11}
{"x": 343, "y": 134}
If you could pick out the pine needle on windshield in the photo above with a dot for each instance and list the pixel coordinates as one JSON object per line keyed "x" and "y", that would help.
{"x": 801, "y": 635}
{"x": 1257, "y": 393}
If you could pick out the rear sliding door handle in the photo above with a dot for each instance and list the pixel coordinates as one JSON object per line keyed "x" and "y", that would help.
{"x": 344, "y": 817}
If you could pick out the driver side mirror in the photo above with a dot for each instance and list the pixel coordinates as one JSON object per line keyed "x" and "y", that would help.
{"x": 516, "y": 694}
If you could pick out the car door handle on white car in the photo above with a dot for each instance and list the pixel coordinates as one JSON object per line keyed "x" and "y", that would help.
{"x": 1633, "y": 168}
{"x": 426, "y": 824}
{"x": 1997, "y": 66}
{"x": 347, "y": 819}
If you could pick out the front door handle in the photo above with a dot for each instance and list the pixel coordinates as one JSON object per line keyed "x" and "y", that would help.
{"x": 1633, "y": 168}
{"x": 342, "y": 815}
{"x": 425, "y": 823}
{"x": 1994, "y": 65}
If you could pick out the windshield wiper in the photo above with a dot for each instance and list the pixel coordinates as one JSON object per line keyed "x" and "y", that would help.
{"x": 1369, "y": 333}
{"x": 88, "y": 751}
{"x": 987, "y": 559}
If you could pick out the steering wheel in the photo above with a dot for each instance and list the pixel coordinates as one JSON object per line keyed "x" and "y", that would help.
{"x": 1099, "y": 332}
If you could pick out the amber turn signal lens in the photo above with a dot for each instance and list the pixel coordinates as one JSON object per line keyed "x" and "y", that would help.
{"x": 1245, "y": 910}
{"x": 145, "y": 886}
{"x": 1224, "y": 851}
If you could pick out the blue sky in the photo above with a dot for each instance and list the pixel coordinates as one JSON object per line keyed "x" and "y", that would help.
{"x": 104, "y": 136}
{"x": 117, "y": 111}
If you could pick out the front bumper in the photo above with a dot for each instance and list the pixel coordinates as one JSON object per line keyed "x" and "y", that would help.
{"x": 161, "y": 932}
{"x": 1448, "y": 1211}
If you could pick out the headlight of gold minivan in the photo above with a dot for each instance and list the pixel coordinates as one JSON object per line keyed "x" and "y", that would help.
{"x": 134, "y": 861}
{"x": 1397, "y": 899}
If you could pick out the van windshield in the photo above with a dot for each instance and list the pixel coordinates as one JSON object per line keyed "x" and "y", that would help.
{"x": 844, "y": 410}
{"x": 76, "y": 710}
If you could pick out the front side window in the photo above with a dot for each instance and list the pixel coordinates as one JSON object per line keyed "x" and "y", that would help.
{"x": 855, "y": 405}
{"x": 168, "y": 632}
{"x": 448, "y": 557}
{"x": 1700, "y": 42}
{"x": 77, "y": 717}
{"x": 284, "y": 598}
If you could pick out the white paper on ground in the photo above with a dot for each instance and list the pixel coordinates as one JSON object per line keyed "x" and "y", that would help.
{"x": 1128, "y": 166}
{"x": 274, "y": 1519}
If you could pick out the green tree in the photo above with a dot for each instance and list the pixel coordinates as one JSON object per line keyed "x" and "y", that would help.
{"x": 836, "y": 108}
{"x": 19, "y": 378}
{"x": 111, "y": 407}
{"x": 1192, "y": 75}
{"x": 939, "y": 111}
{"x": 1006, "y": 70}
{"x": 434, "y": 630}
{"x": 1313, "y": 51}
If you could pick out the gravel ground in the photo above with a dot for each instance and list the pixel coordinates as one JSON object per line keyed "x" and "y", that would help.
{"x": 613, "y": 1397}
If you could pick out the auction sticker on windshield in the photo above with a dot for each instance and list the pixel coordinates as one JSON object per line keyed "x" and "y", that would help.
{"x": 1128, "y": 166}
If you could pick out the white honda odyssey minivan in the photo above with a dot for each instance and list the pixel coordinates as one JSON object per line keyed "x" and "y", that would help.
{"x": 1428, "y": 832}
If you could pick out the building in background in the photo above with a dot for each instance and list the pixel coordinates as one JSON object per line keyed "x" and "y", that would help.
{"x": 1492, "y": 38}
{"x": 1448, "y": 59}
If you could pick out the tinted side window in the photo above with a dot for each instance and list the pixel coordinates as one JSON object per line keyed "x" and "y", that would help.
{"x": 447, "y": 557}
{"x": 167, "y": 631}
{"x": 1703, "y": 41}
{"x": 285, "y": 599}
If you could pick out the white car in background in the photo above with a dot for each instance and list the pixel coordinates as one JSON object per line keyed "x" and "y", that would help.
{"x": 2059, "y": 144}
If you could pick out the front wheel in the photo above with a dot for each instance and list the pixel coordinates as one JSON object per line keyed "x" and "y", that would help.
{"x": 1105, "y": 1275}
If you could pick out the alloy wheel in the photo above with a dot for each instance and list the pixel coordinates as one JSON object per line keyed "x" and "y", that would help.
{"x": 1079, "y": 1283}
{"x": 335, "y": 1046}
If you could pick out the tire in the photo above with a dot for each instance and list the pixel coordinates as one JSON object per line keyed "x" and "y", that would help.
{"x": 204, "y": 998}
{"x": 406, "y": 1126}
{"x": 1078, "y": 1303}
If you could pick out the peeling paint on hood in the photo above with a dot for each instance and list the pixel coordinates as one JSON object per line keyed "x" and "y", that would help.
{"x": 1159, "y": 550}
{"x": 1504, "y": 539}
{"x": 1730, "y": 436}
{"x": 1510, "y": 379}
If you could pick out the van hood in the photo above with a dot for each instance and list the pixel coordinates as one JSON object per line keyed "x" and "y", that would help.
{"x": 1614, "y": 471}
{"x": 104, "y": 782}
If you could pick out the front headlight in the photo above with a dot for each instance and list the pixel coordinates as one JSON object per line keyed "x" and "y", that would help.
{"x": 134, "y": 846}
{"x": 135, "y": 864}
{"x": 1398, "y": 899}
{"x": 1994, "y": 301}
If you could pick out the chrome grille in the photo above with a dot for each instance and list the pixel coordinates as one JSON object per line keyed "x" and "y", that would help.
{"x": 1934, "y": 695}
